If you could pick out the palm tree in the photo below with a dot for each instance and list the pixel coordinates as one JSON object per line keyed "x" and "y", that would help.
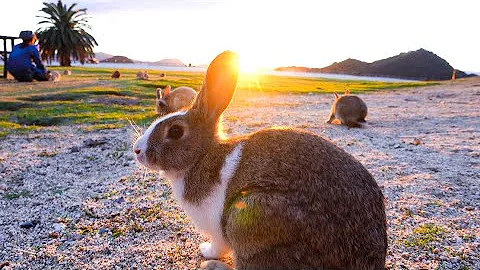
{"x": 65, "y": 38}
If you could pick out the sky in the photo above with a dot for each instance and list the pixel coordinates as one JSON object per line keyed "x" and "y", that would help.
{"x": 269, "y": 34}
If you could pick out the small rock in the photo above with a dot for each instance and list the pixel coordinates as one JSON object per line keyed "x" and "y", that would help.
{"x": 119, "y": 200}
{"x": 74, "y": 149}
{"x": 59, "y": 227}
{"x": 29, "y": 224}
{"x": 469, "y": 208}
{"x": 102, "y": 231}
{"x": 416, "y": 141}
{"x": 54, "y": 235}
{"x": 397, "y": 146}
{"x": 93, "y": 143}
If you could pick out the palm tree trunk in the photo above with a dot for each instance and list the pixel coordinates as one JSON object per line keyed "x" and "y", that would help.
{"x": 64, "y": 58}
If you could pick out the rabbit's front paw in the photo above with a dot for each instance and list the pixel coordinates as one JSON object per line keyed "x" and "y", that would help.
{"x": 215, "y": 265}
{"x": 211, "y": 251}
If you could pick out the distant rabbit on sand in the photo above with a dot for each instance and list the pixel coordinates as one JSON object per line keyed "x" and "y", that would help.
{"x": 54, "y": 76}
{"x": 169, "y": 101}
{"x": 142, "y": 75}
{"x": 279, "y": 198}
{"x": 116, "y": 74}
{"x": 348, "y": 110}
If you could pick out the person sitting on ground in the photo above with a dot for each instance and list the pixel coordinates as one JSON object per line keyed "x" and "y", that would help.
{"x": 19, "y": 63}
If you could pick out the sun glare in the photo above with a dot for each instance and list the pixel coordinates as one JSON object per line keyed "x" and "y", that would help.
{"x": 248, "y": 65}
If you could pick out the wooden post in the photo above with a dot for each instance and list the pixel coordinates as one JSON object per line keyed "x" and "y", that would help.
{"x": 4, "y": 58}
{"x": 454, "y": 74}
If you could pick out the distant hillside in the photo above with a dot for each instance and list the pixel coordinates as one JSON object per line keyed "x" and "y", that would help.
{"x": 418, "y": 65}
{"x": 100, "y": 56}
{"x": 170, "y": 62}
{"x": 117, "y": 59}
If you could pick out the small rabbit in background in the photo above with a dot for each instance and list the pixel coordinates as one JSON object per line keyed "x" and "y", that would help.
{"x": 55, "y": 76}
{"x": 67, "y": 72}
{"x": 142, "y": 75}
{"x": 278, "y": 198}
{"x": 168, "y": 101}
{"x": 349, "y": 110}
{"x": 116, "y": 74}
{"x": 163, "y": 75}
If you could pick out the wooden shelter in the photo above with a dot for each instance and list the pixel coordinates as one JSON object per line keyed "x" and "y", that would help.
{"x": 5, "y": 52}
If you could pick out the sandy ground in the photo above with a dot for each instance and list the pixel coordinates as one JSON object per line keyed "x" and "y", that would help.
{"x": 90, "y": 206}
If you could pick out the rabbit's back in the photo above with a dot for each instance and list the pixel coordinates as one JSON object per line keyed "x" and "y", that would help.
{"x": 351, "y": 107}
{"x": 308, "y": 205}
{"x": 181, "y": 97}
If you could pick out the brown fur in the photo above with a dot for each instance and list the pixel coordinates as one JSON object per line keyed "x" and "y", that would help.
{"x": 55, "y": 76}
{"x": 348, "y": 110}
{"x": 295, "y": 201}
{"x": 116, "y": 74}
{"x": 175, "y": 100}
{"x": 142, "y": 75}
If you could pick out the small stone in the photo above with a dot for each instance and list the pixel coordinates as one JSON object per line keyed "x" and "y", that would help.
{"x": 119, "y": 200}
{"x": 397, "y": 146}
{"x": 74, "y": 149}
{"x": 28, "y": 224}
{"x": 59, "y": 227}
{"x": 93, "y": 143}
{"x": 102, "y": 231}
{"x": 54, "y": 235}
{"x": 416, "y": 141}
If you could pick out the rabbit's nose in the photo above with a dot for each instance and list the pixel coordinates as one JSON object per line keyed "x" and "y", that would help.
{"x": 137, "y": 151}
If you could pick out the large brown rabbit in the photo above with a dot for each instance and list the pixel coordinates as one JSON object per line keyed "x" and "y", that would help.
{"x": 169, "y": 101}
{"x": 279, "y": 198}
{"x": 348, "y": 110}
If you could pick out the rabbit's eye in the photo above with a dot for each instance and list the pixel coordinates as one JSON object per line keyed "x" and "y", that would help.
{"x": 175, "y": 132}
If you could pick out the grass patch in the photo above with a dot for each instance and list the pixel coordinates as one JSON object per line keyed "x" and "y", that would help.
{"x": 423, "y": 235}
{"x": 12, "y": 105}
{"x": 16, "y": 195}
{"x": 89, "y": 97}
{"x": 102, "y": 127}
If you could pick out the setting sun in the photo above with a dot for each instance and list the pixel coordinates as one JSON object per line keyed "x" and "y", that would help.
{"x": 248, "y": 64}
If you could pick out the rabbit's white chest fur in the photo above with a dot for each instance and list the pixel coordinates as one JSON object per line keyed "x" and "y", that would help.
{"x": 207, "y": 214}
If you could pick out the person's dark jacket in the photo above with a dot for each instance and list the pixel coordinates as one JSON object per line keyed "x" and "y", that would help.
{"x": 20, "y": 60}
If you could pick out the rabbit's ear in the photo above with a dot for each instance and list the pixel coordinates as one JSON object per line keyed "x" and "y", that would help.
{"x": 219, "y": 85}
{"x": 159, "y": 93}
{"x": 167, "y": 91}
{"x": 336, "y": 95}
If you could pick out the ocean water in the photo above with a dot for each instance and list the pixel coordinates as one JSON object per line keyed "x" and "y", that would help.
{"x": 147, "y": 66}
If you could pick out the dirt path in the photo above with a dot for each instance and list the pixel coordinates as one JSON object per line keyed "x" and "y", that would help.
{"x": 91, "y": 206}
